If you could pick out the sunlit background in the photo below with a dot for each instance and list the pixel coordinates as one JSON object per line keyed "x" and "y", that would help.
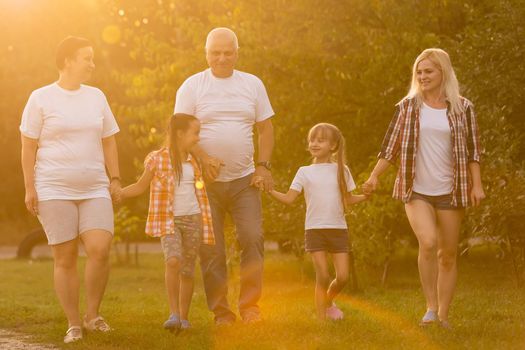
{"x": 345, "y": 62}
{"x": 341, "y": 61}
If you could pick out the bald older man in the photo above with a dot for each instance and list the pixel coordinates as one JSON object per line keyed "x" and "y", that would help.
{"x": 230, "y": 103}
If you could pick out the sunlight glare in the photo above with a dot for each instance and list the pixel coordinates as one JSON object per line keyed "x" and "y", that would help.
{"x": 111, "y": 34}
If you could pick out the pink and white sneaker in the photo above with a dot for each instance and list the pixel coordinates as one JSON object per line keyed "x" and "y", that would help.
{"x": 334, "y": 313}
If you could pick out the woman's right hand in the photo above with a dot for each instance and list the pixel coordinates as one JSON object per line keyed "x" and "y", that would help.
{"x": 31, "y": 200}
{"x": 370, "y": 185}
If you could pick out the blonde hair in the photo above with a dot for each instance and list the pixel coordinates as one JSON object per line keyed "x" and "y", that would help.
{"x": 337, "y": 140}
{"x": 449, "y": 82}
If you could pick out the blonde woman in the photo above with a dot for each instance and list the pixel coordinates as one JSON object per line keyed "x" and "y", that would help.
{"x": 434, "y": 134}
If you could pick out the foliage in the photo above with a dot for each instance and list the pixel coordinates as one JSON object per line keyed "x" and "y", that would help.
{"x": 346, "y": 62}
{"x": 379, "y": 227}
{"x": 500, "y": 109}
{"x": 127, "y": 230}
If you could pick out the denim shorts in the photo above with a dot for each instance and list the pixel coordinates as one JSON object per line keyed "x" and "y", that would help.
{"x": 442, "y": 202}
{"x": 326, "y": 239}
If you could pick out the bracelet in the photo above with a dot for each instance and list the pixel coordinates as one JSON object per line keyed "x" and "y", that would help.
{"x": 114, "y": 178}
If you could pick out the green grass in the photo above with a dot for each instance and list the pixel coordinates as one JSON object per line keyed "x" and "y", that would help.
{"x": 488, "y": 311}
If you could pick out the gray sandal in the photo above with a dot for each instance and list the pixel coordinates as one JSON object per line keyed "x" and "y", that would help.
{"x": 429, "y": 318}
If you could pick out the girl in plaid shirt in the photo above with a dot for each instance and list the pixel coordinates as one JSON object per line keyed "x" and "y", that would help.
{"x": 434, "y": 134}
{"x": 179, "y": 212}
{"x": 327, "y": 184}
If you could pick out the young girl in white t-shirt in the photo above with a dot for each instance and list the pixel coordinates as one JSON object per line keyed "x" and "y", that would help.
{"x": 327, "y": 185}
{"x": 179, "y": 212}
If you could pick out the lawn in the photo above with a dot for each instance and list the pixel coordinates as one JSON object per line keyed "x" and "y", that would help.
{"x": 488, "y": 311}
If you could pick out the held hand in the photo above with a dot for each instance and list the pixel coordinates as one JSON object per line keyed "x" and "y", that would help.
{"x": 476, "y": 195}
{"x": 116, "y": 191}
{"x": 370, "y": 185}
{"x": 257, "y": 181}
{"x": 31, "y": 201}
{"x": 262, "y": 179}
{"x": 211, "y": 168}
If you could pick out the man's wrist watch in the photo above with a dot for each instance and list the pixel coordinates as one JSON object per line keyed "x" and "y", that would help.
{"x": 267, "y": 164}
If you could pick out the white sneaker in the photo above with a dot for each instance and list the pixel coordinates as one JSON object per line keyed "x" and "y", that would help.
{"x": 73, "y": 334}
{"x": 98, "y": 324}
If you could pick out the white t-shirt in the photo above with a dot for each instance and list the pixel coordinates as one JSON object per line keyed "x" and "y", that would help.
{"x": 434, "y": 162}
{"x": 324, "y": 206}
{"x": 186, "y": 202}
{"x": 227, "y": 108}
{"x": 69, "y": 127}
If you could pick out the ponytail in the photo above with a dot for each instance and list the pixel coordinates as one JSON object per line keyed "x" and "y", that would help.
{"x": 339, "y": 155}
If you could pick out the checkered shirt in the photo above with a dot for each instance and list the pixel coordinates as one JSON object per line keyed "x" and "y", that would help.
{"x": 162, "y": 196}
{"x": 401, "y": 141}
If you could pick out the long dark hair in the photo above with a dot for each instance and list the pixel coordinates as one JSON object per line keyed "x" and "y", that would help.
{"x": 178, "y": 122}
{"x": 335, "y": 136}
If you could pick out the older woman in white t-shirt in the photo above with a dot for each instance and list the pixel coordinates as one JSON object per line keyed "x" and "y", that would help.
{"x": 67, "y": 143}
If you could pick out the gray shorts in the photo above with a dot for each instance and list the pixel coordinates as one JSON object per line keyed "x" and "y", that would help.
{"x": 442, "y": 202}
{"x": 330, "y": 240}
{"x": 65, "y": 220}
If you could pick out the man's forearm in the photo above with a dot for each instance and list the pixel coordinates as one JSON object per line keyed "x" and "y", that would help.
{"x": 266, "y": 142}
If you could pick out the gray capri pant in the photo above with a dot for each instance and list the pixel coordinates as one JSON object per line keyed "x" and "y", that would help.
{"x": 65, "y": 220}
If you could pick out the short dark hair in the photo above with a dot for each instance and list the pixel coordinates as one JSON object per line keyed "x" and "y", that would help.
{"x": 68, "y": 48}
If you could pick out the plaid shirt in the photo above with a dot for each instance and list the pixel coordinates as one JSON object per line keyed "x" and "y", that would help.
{"x": 162, "y": 195}
{"x": 401, "y": 140}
